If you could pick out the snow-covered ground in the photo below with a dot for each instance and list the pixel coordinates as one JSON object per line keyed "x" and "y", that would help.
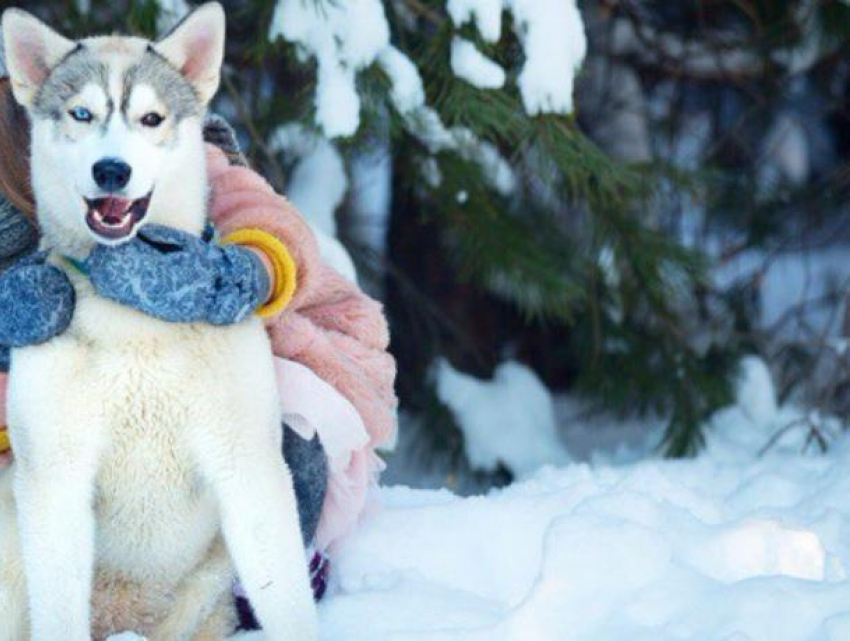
{"x": 663, "y": 550}
{"x": 730, "y": 546}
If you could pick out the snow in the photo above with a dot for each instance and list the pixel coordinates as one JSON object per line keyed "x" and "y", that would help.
{"x": 654, "y": 551}
{"x": 553, "y": 36}
{"x": 473, "y": 66}
{"x": 553, "y": 39}
{"x": 407, "y": 92}
{"x": 497, "y": 171}
{"x": 606, "y": 439}
{"x": 756, "y": 394}
{"x": 426, "y": 125}
{"x": 316, "y": 188}
{"x": 318, "y": 182}
{"x": 509, "y": 420}
{"x": 736, "y": 548}
{"x": 334, "y": 254}
{"x": 487, "y": 15}
{"x": 343, "y": 37}
{"x": 346, "y": 37}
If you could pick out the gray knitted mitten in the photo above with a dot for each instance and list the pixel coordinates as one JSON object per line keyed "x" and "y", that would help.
{"x": 36, "y": 302}
{"x": 177, "y": 277}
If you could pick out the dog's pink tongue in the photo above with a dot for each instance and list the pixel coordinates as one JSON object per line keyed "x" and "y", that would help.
{"x": 113, "y": 209}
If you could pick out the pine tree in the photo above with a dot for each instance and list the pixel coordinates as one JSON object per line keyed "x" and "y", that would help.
{"x": 509, "y": 230}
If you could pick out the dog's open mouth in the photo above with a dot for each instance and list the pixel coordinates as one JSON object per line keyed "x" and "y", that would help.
{"x": 114, "y": 218}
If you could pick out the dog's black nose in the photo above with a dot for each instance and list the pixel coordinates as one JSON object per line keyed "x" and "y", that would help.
{"x": 111, "y": 174}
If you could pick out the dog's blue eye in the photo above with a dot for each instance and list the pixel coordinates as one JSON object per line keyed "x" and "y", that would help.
{"x": 80, "y": 114}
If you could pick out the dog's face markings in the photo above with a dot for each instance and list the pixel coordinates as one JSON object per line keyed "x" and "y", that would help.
{"x": 77, "y": 72}
{"x": 151, "y": 99}
{"x": 112, "y": 117}
{"x": 174, "y": 91}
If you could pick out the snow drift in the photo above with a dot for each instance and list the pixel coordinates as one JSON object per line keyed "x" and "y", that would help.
{"x": 731, "y": 546}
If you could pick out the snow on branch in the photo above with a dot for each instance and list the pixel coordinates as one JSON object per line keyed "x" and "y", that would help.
{"x": 344, "y": 38}
{"x": 552, "y": 35}
{"x": 474, "y": 67}
{"x": 407, "y": 92}
{"x": 426, "y": 125}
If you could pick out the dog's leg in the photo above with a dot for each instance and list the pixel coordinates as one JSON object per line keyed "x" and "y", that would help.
{"x": 221, "y": 622}
{"x": 12, "y": 585}
{"x": 57, "y": 449}
{"x": 260, "y": 525}
{"x": 198, "y": 599}
{"x": 57, "y": 539}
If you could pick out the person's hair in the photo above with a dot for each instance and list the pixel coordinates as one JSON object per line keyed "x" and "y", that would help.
{"x": 15, "y": 182}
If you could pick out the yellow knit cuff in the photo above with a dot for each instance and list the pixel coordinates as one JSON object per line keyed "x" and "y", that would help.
{"x": 284, "y": 277}
{"x": 5, "y": 445}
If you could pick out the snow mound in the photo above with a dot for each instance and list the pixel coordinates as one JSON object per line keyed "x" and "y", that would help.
{"x": 741, "y": 544}
{"x": 654, "y": 551}
{"x": 509, "y": 420}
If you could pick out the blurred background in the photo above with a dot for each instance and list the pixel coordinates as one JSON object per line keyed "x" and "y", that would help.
{"x": 580, "y": 216}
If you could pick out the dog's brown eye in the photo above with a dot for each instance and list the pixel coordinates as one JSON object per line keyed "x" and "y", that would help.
{"x": 152, "y": 119}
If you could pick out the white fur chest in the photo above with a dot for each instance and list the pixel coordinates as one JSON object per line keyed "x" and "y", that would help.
{"x": 148, "y": 384}
{"x": 144, "y": 391}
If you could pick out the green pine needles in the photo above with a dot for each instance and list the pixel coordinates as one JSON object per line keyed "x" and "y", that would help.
{"x": 570, "y": 251}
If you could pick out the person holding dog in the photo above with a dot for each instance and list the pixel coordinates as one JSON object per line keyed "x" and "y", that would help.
{"x": 334, "y": 372}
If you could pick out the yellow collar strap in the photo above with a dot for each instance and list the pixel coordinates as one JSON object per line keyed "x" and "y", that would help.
{"x": 5, "y": 445}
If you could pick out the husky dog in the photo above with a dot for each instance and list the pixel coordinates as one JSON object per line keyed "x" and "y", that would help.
{"x": 147, "y": 463}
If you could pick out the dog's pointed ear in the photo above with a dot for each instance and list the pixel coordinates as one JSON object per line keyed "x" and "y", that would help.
{"x": 196, "y": 48}
{"x": 31, "y": 49}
